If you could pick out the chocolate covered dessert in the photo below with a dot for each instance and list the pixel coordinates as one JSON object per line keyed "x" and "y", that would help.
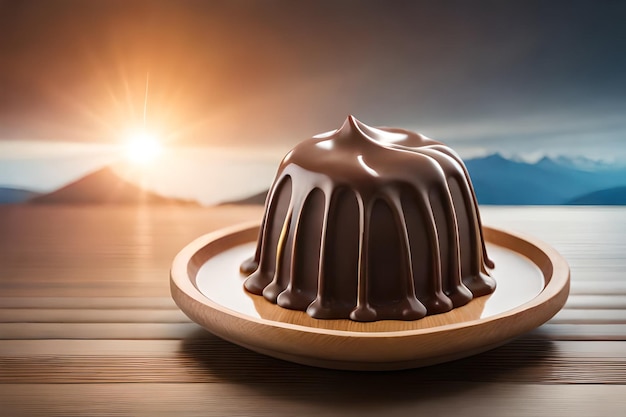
{"x": 370, "y": 224}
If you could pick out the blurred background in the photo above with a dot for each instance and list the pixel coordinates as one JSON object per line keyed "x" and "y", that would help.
{"x": 199, "y": 100}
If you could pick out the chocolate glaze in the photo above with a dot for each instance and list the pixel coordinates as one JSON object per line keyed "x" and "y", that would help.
{"x": 370, "y": 224}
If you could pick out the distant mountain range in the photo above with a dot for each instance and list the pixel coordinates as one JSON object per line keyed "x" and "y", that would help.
{"x": 610, "y": 197}
{"x": 104, "y": 186}
{"x": 256, "y": 199}
{"x": 497, "y": 180}
{"x": 15, "y": 195}
{"x": 550, "y": 181}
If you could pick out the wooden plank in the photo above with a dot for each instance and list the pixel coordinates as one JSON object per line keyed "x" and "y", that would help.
{"x": 94, "y": 348}
{"x": 155, "y": 331}
{"x": 554, "y": 350}
{"x": 596, "y": 302}
{"x": 572, "y": 316}
{"x": 155, "y": 286}
{"x": 597, "y": 287}
{"x": 32, "y": 315}
{"x": 213, "y": 360}
{"x": 125, "y": 303}
{"x": 371, "y": 397}
{"x": 580, "y": 332}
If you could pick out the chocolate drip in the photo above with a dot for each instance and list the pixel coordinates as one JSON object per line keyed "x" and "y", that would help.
{"x": 370, "y": 224}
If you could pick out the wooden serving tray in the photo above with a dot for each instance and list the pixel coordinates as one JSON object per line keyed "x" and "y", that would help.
{"x": 533, "y": 285}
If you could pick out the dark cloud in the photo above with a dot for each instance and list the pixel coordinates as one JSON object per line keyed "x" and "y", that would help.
{"x": 258, "y": 71}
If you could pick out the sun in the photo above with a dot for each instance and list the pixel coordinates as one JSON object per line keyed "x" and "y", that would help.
{"x": 142, "y": 147}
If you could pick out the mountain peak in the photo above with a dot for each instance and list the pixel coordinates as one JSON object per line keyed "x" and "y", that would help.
{"x": 497, "y": 156}
{"x": 104, "y": 186}
{"x": 547, "y": 161}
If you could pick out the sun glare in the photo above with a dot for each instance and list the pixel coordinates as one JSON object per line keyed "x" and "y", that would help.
{"x": 142, "y": 147}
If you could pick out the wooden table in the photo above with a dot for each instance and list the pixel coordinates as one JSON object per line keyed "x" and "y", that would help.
{"x": 87, "y": 327}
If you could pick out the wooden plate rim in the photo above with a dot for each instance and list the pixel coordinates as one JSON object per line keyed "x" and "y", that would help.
{"x": 551, "y": 299}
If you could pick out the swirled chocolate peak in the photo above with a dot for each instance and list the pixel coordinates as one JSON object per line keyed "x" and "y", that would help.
{"x": 369, "y": 224}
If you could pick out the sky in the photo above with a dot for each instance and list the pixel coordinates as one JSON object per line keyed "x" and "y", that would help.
{"x": 518, "y": 77}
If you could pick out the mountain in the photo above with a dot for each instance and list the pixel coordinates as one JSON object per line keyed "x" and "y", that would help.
{"x": 583, "y": 163}
{"x": 608, "y": 197}
{"x": 550, "y": 181}
{"x": 498, "y": 180}
{"x": 256, "y": 199}
{"x": 15, "y": 195}
{"x": 104, "y": 187}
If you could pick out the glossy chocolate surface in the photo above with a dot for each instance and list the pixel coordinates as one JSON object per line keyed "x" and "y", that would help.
{"x": 370, "y": 224}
